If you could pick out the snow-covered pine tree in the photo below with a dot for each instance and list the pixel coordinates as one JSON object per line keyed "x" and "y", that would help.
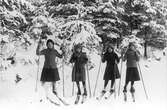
{"x": 153, "y": 26}
{"x": 14, "y": 20}
{"x": 66, "y": 21}
{"x": 141, "y": 17}
{"x": 108, "y": 20}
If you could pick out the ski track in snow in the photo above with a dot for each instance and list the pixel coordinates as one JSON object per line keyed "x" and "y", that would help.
{"x": 23, "y": 96}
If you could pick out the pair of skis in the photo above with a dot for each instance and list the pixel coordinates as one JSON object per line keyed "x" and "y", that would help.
{"x": 132, "y": 94}
{"x": 106, "y": 97}
{"x": 84, "y": 97}
{"x": 57, "y": 104}
{"x": 111, "y": 93}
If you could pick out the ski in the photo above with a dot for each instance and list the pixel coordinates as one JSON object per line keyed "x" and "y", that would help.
{"x": 125, "y": 96}
{"x": 84, "y": 97}
{"x": 77, "y": 99}
{"x": 61, "y": 100}
{"x": 65, "y": 103}
{"x": 53, "y": 102}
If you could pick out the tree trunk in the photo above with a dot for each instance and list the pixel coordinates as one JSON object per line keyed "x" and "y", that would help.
{"x": 145, "y": 49}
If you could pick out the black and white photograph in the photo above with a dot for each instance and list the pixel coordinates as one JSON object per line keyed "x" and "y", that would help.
{"x": 83, "y": 54}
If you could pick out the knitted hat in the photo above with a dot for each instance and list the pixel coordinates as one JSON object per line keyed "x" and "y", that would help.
{"x": 50, "y": 40}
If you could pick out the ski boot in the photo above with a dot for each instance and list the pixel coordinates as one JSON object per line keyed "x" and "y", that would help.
{"x": 102, "y": 94}
{"x": 78, "y": 97}
{"x": 110, "y": 93}
{"x": 84, "y": 96}
{"x": 54, "y": 92}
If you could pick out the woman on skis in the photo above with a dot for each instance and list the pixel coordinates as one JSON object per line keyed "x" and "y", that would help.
{"x": 111, "y": 71}
{"x": 79, "y": 59}
{"x": 132, "y": 57}
{"x": 50, "y": 71}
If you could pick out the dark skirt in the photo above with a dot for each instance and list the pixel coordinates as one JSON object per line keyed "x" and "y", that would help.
{"x": 78, "y": 74}
{"x": 111, "y": 72}
{"x": 132, "y": 74}
{"x": 50, "y": 75}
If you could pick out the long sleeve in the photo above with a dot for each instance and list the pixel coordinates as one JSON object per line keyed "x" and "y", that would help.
{"x": 40, "y": 52}
{"x": 137, "y": 53}
{"x": 117, "y": 58}
{"x": 58, "y": 54}
{"x": 73, "y": 58}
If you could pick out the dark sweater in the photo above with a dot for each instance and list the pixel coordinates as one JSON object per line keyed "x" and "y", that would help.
{"x": 50, "y": 55}
{"x": 111, "y": 58}
{"x": 132, "y": 58}
{"x": 110, "y": 71}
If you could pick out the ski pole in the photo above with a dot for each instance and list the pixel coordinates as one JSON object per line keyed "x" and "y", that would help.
{"x": 120, "y": 78}
{"x": 63, "y": 76}
{"x": 115, "y": 87}
{"x": 89, "y": 81}
{"x": 119, "y": 88}
{"x": 73, "y": 89}
{"x": 116, "y": 71}
{"x": 97, "y": 79}
{"x": 36, "y": 85}
{"x": 142, "y": 80}
{"x": 63, "y": 71}
{"x": 73, "y": 83}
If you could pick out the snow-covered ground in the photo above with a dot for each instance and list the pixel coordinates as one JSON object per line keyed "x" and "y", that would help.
{"x": 23, "y": 96}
